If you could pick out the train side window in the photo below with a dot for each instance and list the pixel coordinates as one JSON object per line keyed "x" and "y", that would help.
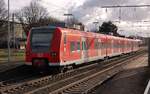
{"x": 99, "y": 45}
{"x": 84, "y": 47}
{"x": 96, "y": 44}
{"x": 106, "y": 45}
{"x": 65, "y": 38}
{"x": 72, "y": 46}
{"x": 87, "y": 46}
{"x": 78, "y": 46}
{"x": 102, "y": 45}
{"x": 116, "y": 45}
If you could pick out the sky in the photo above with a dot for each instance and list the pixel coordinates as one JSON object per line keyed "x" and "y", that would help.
{"x": 89, "y": 11}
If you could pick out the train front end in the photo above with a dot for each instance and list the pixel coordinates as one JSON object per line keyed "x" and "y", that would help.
{"x": 43, "y": 45}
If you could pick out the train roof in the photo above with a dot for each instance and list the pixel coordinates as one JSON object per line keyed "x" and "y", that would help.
{"x": 97, "y": 34}
{"x": 82, "y": 33}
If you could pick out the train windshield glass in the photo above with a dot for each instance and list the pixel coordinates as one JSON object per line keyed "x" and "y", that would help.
{"x": 41, "y": 39}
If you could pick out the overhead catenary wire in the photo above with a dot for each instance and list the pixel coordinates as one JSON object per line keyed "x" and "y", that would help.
{"x": 116, "y": 6}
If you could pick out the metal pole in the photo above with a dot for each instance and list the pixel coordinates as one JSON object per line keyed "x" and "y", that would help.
{"x": 8, "y": 41}
{"x": 68, "y": 19}
{"x": 119, "y": 14}
{"x": 13, "y": 29}
{"x": 96, "y": 25}
{"x": 148, "y": 51}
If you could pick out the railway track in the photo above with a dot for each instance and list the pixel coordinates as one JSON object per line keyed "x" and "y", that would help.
{"x": 18, "y": 75}
{"x": 64, "y": 81}
{"x": 84, "y": 82}
{"x": 5, "y": 66}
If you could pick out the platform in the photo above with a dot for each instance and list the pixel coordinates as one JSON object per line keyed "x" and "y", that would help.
{"x": 133, "y": 80}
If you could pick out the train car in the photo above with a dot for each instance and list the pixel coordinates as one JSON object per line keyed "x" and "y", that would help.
{"x": 136, "y": 45}
{"x": 55, "y": 46}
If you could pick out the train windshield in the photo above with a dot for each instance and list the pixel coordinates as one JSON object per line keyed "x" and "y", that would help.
{"x": 41, "y": 39}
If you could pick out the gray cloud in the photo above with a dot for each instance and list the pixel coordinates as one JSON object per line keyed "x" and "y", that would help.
{"x": 127, "y": 14}
{"x": 91, "y": 10}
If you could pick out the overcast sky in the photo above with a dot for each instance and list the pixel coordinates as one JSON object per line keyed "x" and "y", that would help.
{"x": 89, "y": 11}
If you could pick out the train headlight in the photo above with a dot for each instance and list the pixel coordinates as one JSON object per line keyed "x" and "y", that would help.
{"x": 53, "y": 54}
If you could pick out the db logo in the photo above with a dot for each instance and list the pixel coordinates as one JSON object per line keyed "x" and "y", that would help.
{"x": 40, "y": 55}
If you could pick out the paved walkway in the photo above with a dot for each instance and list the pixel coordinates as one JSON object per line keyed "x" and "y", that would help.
{"x": 133, "y": 80}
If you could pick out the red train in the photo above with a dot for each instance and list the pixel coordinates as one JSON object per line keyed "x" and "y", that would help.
{"x": 55, "y": 46}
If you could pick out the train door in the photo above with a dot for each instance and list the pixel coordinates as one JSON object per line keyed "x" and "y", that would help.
{"x": 122, "y": 46}
{"x": 119, "y": 46}
{"x": 96, "y": 46}
{"x": 109, "y": 46}
{"x": 133, "y": 46}
{"x": 84, "y": 50}
{"x": 99, "y": 47}
{"x": 103, "y": 47}
{"x": 65, "y": 48}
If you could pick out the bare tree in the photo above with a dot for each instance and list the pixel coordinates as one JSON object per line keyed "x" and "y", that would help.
{"x": 3, "y": 11}
{"x": 3, "y": 19}
{"x": 33, "y": 15}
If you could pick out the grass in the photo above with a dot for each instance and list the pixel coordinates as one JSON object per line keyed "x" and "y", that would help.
{"x": 16, "y": 55}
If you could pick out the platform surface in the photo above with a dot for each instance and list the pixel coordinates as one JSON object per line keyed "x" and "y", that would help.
{"x": 133, "y": 80}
